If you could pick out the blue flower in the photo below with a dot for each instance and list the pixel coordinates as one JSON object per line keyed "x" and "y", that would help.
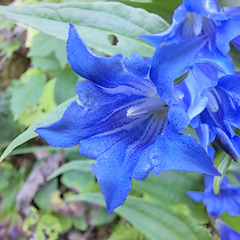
{"x": 227, "y": 200}
{"x": 122, "y": 122}
{"x": 226, "y": 232}
{"x": 221, "y": 116}
{"x": 209, "y": 97}
{"x": 203, "y": 18}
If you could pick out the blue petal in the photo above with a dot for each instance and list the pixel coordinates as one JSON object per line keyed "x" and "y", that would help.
{"x": 226, "y": 232}
{"x": 216, "y": 58}
{"x": 226, "y": 32}
{"x": 113, "y": 171}
{"x": 178, "y": 118}
{"x": 236, "y": 42}
{"x": 230, "y": 107}
{"x": 136, "y": 64}
{"x": 169, "y": 62}
{"x": 197, "y": 89}
{"x": 108, "y": 72}
{"x": 227, "y": 200}
{"x": 207, "y": 8}
{"x": 116, "y": 167}
{"x": 96, "y": 112}
{"x": 171, "y": 34}
{"x": 177, "y": 151}
{"x": 231, "y": 84}
{"x": 203, "y": 135}
{"x": 195, "y": 196}
{"x": 230, "y": 143}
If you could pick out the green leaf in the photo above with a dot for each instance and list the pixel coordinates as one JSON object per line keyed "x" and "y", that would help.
{"x": 46, "y": 63}
{"x": 232, "y": 221}
{"x": 229, "y": 3}
{"x": 234, "y": 53}
{"x": 78, "y": 165}
{"x": 100, "y": 217}
{"x": 181, "y": 78}
{"x": 44, "y": 45}
{"x": 162, "y": 7}
{"x": 44, "y": 105}
{"x": 65, "y": 86}
{"x": 172, "y": 187}
{"x": 28, "y": 134}
{"x": 158, "y": 222}
{"x": 26, "y": 94}
{"x": 79, "y": 223}
{"x": 43, "y": 196}
{"x": 78, "y": 181}
{"x": 7, "y": 124}
{"x": 9, "y": 47}
{"x": 95, "y": 22}
{"x": 126, "y": 232}
{"x": 48, "y": 225}
{"x": 222, "y": 168}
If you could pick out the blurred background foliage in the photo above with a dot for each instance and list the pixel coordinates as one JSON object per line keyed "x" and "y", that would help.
{"x": 49, "y": 193}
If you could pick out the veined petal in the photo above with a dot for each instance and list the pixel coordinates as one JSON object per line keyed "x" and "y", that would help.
{"x": 231, "y": 84}
{"x": 203, "y": 135}
{"x": 207, "y": 8}
{"x": 178, "y": 118}
{"x": 169, "y": 62}
{"x": 230, "y": 144}
{"x": 96, "y": 112}
{"x": 169, "y": 35}
{"x": 201, "y": 79}
{"x": 217, "y": 59}
{"x": 116, "y": 167}
{"x": 105, "y": 71}
{"x": 230, "y": 107}
{"x": 177, "y": 151}
{"x": 65, "y": 132}
{"x": 226, "y": 32}
{"x": 137, "y": 65}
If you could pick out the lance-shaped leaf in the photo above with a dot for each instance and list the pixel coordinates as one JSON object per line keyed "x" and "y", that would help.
{"x": 106, "y": 26}
{"x": 157, "y": 221}
{"x": 29, "y": 133}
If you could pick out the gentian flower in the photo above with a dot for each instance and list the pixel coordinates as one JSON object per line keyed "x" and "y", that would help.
{"x": 212, "y": 104}
{"x": 227, "y": 200}
{"x": 226, "y": 232}
{"x": 209, "y": 98}
{"x": 196, "y": 18}
{"x": 221, "y": 116}
{"x": 121, "y": 120}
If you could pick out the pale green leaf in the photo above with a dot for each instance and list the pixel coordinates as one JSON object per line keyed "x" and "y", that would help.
{"x": 26, "y": 94}
{"x": 95, "y": 22}
{"x": 172, "y": 187}
{"x": 65, "y": 85}
{"x": 78, "y": 165}
{"x": 28, "y": 134}
{"x": 46, "y": 63}
{"x": 79, "y": 181}
{"x": 162, "y": 7}
{"x": 44, "y": 45}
